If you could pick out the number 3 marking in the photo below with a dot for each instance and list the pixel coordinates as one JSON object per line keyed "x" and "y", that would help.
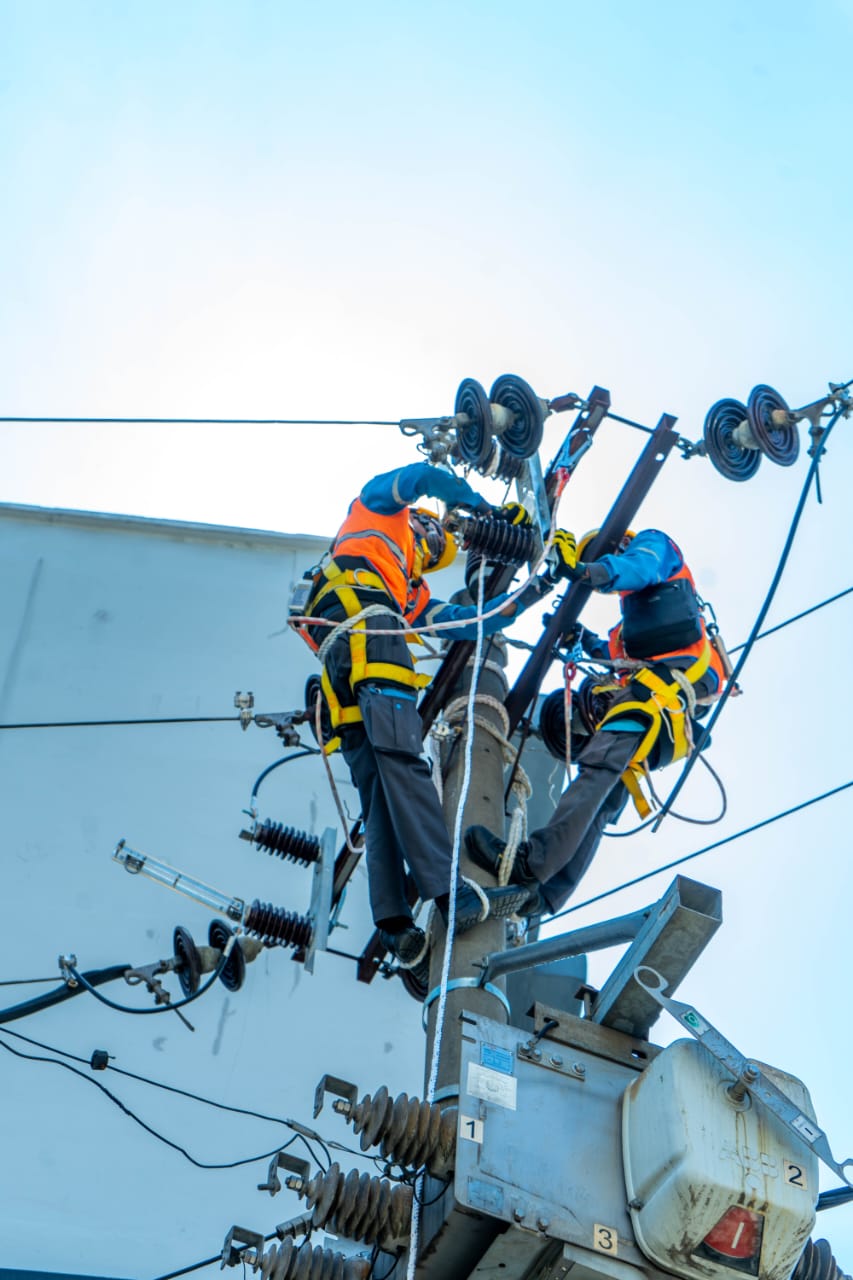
{"x": 604, "y": 1239}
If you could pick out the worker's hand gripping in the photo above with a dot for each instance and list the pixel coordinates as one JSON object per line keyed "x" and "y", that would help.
{"x": 513, "y": 513}
{"x": 563, "y": 557}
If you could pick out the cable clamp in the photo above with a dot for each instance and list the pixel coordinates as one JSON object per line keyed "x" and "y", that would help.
{"x": 455, "y": 984}
{"x": 66, "y": 964}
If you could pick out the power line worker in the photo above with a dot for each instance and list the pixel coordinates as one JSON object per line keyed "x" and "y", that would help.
{"x": 649, "y": 713}
{"x": 376, "y": 567}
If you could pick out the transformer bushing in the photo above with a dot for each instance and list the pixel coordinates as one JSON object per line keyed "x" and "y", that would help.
{"x": 407, "y": 1131}
{"x": 358, "y": 1206}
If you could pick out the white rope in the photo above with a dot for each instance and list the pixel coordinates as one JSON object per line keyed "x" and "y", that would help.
{"x": 521, "y": 789}
{"x": 341, "y": 628}
{"x": 432, "y": 627}
{"x": 318, "y": 729}
{"x": 451, "y": 921}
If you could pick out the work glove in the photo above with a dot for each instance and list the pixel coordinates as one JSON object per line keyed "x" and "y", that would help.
{"x": 513, "y": 513}
{"x": 563, "y": 557}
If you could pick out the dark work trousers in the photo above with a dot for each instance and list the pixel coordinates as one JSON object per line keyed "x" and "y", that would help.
{"x": 560, "y": 854}
{"x": 403, "y": 821}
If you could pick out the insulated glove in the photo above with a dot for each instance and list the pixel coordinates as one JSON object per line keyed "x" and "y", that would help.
{"x": 563, "y": 557}
{"x": 513, "y": 513}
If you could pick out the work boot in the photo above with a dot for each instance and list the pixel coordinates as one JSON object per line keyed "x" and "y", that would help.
{"x": 409, "y": 945}
{"x": 473, "y": 907}
{"x": 488, "y": 851}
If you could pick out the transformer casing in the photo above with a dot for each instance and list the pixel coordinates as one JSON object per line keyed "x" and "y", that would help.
{"x": 691, "y": 1153}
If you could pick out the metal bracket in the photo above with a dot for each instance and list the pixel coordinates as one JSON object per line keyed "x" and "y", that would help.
{"x": 252, "y": 1243}
{"x": 283, "y": 722}
{"x": 281, "y": 1160}
{"x": 747, "y": 1074}
{"x": 320, "y": 909}
{"x": 338, "y": 1088}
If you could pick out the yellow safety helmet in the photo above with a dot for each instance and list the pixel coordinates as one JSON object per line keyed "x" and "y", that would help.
{"x": 589, "y": 538}
{"x": 434, "y": 544}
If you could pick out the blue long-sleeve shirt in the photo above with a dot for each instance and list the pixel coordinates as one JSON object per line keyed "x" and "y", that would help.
{"x": 649, "y": 558}
{"x": 391, "y": 492}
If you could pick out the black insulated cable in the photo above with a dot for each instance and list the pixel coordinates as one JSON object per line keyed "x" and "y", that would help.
{"x": 731, "y": 684}
{"x": 93, "y": 978}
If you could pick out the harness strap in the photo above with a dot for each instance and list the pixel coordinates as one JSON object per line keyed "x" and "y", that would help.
{"x": 661, "y": 707}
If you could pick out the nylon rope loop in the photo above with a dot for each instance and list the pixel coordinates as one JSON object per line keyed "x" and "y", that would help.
{"x": 432, "y": 628}
{"x": 336, "y": 796}
{"x": 451, "y": 915}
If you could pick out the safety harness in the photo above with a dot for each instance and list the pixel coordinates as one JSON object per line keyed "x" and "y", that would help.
{"x": 344, "y": 585}
{"x": 663, "y": 698}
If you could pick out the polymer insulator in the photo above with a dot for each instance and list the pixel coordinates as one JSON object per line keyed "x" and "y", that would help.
{"x": 408, "y": 1132}
{"x": 817, "y": 1262}
{"x": 275, "y": 925}
{"x": 289, "y": 1261}
{"x": 286, "y": 842}
{"x": 499, "y": 541}
{"x": 360, "y": 1207}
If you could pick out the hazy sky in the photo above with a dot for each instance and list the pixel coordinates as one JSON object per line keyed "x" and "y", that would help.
{"x": 339, "y": 211}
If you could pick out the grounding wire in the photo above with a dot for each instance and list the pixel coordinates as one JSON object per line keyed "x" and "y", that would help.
{"x": 161, "y": 1008}
{"x": 709, "y": 848}
{"x": 294, "y": 755}
{"x": 199, "y": 1164}
{"x": 731, "y": 684}
{"x": 515, "y": 643}
{"x": 300, "y": 1130}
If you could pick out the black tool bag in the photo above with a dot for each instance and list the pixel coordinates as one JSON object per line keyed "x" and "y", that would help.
{"x": 660, "y": 619}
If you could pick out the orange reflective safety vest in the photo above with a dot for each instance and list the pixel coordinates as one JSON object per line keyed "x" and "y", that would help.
{"x": 662, "y": 696}
{"x": 376, "y": 554}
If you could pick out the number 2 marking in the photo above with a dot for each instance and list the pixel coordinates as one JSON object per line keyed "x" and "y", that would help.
{"x": 795, "y": 1175}
{"x": 604, "y": 1239}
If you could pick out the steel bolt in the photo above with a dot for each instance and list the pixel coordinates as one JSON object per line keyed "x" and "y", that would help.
{"x": 579, "y": 1068}
{"x": 294, "y": 1183}
{"x": 555, "y": 1060}
{"x": 518, "y": 1214}
{"x": 537, "y": 1054}
{"x": 342, "y": 1107}
{"x": 543, "y": 1223}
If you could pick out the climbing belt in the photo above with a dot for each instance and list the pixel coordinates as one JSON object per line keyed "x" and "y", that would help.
{"x": 664, "y": 698}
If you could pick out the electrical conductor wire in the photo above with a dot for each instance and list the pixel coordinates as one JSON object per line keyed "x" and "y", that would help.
{"x": 731, "y": 684}
{"x": 709, "y": 848}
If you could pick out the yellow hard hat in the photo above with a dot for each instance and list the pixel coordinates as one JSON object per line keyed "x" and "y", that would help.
{"x": 436, "y": 546}
{"x": 589, "y": 538}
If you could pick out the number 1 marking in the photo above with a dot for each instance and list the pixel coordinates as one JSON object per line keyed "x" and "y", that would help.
{"x": 471, "y": 1129}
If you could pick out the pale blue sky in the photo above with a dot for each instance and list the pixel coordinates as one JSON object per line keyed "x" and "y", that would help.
{"x": 273, "y": 210}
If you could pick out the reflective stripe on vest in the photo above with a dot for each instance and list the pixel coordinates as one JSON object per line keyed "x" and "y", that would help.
{"x": 386, "y": 542}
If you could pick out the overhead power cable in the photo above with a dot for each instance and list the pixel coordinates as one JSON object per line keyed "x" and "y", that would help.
{"x": 704, "y": 731}
{"x": 227, "y": 422}
{"x": 205, "y": 1262}
{"x": 677, "y": 862}
{"x": 520, "y": 644}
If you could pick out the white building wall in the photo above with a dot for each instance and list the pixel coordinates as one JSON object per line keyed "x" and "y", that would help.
{"x": 104, "y": 618}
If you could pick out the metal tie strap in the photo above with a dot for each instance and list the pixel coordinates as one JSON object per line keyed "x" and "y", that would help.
{"x": 464, "y": 982}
